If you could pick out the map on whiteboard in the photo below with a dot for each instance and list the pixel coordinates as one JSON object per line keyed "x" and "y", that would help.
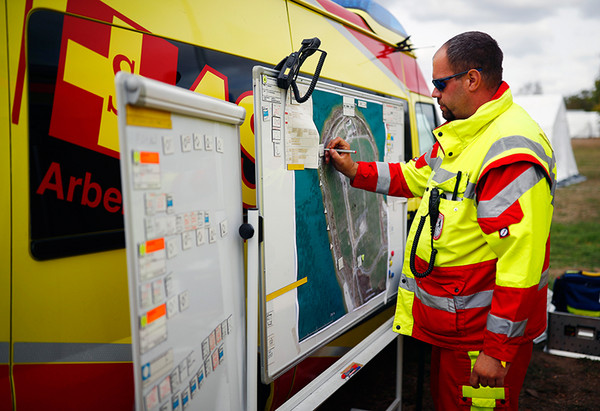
{"x": 341, "y": 232}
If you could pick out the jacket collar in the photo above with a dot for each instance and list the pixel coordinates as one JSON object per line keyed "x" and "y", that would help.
{"x": 455, "y": 135}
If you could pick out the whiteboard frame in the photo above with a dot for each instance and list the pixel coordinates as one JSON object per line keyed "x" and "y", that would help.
{"x": 138, "y": 91}
{"x": 313, "y": 342}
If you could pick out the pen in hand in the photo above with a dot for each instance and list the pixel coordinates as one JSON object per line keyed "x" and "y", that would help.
{"x": 341, "y": 150}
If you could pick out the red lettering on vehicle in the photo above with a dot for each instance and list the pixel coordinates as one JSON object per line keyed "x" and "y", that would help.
{"x": 91, "y": 193}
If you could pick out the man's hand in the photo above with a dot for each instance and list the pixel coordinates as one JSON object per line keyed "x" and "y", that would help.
{"x": 341, "y": 161}
{"x": 488, "y": 372}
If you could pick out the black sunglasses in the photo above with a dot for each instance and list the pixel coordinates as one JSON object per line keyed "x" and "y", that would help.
{"x": 440, "y": 83}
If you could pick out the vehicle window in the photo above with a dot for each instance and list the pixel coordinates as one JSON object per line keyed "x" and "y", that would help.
{"x": 426, "y": 122}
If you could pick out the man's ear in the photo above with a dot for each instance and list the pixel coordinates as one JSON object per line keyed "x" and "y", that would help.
{"x": 475, "y": 80}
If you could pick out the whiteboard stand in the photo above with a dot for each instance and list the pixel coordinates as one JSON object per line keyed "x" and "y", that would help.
{"x": 252, "y": 313}
{"x": 330, "y": 380}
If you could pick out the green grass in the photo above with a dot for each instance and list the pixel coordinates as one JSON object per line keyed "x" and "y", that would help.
{"x": 575, "y": 232}
{"x": 575, "y": 245}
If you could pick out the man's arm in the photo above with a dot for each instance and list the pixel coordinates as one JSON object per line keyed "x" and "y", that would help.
{"x": 341, "y": 161}
{"x": 514, "y": 212}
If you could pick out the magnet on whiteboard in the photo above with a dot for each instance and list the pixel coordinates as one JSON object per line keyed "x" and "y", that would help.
{"x": 168, "y": 145}
{"x": 277, "y": 109}
{"x": 146, "y": 371}
{"x": 169, "y": 284}
{"x": 223, "y": 228}
{"x": 146, "y": 295}
{"x": 183, "y": 370}
{"x": 185, "y": 399}
{"x": 276, "y": 122}
{"x": 221, "y": 354}
{"x": 191, "y": 361}
{"x": 208, "y": 142}
{"x": 215, "y": 359}
{"x": 158, "y": 291}
{"x": 187, "y": 240}
{"x": 164, "y": 388}
{"x": 172, "y": 247}
{"x": 175, "y": 380}
{"x": 169, "y": 203}
{"x": 172, "y": 306}
{"x": 184, "y": 300}
{"x": 198, "y": 141}
{"x": 200, "y": 236}
{"x": 193, "y": 386}
{"x": 151, "y": 399}
{"x": 200, "y": 375}
{"x": 219, "y": 144}
{"x": 212, "y": 235}
{"x": 186, "y": 143}
{"x": 218, "y": 334}
{"x": 175, "y": 402}
{"x": 224, "y": 328}
{"x": 276, "y": 136}
{"x": 205, "y": 348}
{"x": 270, "y": 319}
{"x": 276, "y": 149}
{"x": 212, "y": 340}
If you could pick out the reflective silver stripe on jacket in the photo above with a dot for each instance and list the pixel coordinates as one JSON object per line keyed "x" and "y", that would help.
{"x": 470, "y": 191}
{"x": 448, "y": 304}
{"x": 502, "y": 326}
{"x": 442, "y": 175}
{"x": 384, "y": 178}
{"x": 433, "y": 162}
{"x": 511, "y": 142}
{"x": 510, "y": 194}
{"x": 544, "y": 279}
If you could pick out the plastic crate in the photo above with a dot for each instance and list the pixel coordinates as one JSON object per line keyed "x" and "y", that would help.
{"x": 574, "y": 334}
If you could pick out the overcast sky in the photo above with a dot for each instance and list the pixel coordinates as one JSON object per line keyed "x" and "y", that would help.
{"x": 554, "y": 42}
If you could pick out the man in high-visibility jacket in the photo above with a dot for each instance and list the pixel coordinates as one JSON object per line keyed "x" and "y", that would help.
{"x": 475, "y": 274}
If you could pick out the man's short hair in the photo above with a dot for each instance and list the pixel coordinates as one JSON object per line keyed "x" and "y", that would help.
{"x": 474, "y": 49}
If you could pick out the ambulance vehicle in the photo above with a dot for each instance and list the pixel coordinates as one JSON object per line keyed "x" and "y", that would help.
{"x": 65, "y": 340}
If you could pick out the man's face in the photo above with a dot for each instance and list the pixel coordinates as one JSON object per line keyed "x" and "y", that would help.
{"x": 453, "y": 98}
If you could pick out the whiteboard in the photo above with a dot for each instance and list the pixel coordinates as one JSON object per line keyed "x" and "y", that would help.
{"x": 331, "y": 254}
{"x": 181, "y": 179}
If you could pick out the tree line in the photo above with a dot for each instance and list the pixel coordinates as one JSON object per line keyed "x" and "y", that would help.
{"x": 587, "y": 100}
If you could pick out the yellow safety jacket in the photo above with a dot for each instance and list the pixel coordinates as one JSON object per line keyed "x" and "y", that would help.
{"x": 484, "y": 287}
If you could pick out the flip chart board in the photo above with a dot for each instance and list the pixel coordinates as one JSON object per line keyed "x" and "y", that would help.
{"x": 181, "y": 179}
{"x": 331, "y": 254}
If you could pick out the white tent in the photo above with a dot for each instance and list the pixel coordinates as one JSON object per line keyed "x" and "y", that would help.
{"x": 549, "y": 111}
{"x": 583, "y": 124}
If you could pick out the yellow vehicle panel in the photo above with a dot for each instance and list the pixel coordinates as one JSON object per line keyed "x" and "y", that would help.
{"x": 57, "y": 312}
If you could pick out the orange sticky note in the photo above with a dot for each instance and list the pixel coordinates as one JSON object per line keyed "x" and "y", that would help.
{"x": 149, "y": 157}
{"x": 156, "y": 313}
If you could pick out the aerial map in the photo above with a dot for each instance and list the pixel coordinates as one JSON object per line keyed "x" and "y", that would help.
{"x": 341, "y": 232}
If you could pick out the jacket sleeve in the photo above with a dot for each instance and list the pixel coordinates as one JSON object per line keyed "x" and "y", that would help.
{"x": 514, "y": 212}
{"x": 395, "y": 179}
